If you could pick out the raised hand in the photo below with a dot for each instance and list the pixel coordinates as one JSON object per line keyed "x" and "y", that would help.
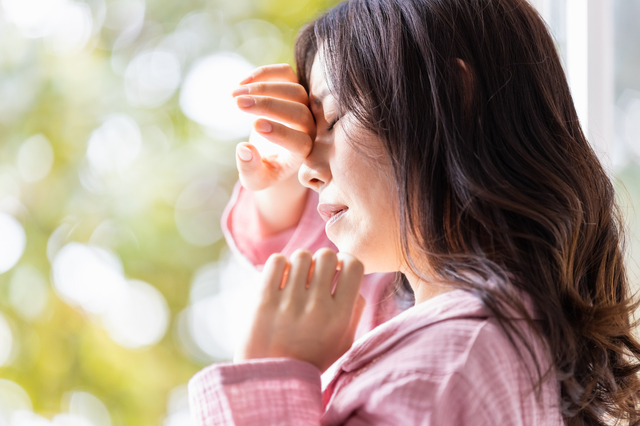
{"x": 272, "y": 91}
{"x": 299, "y": 316}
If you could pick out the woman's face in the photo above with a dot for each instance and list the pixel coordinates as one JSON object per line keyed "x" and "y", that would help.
{"x": 352, "y": 173}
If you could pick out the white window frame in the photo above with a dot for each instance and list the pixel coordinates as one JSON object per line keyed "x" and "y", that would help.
{"x": 589, "y": 64}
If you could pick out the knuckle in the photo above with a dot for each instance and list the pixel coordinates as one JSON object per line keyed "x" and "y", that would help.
{"x": 288, "y": 306}
{"x": 285, "y": 131}
{"x": 277, "y": 259}
{"x": 301, "y": 255}
{"x": 351, "y": 263}
{"x": 346, "y": 257}
{"x": 326, "y": 254}
{"x": 309, "y": 121}
{"x": 258, "y": 71}
{"x": 311, "y": 133}
{"x": 266, "y": 103}
{"x": 308, "y": 115}
{"x": 306, "y": 145}
{"x": 302, "y": 96}
{"x": 278, "y": 132}
{"x": 301, "y": 91}
{"x": 288, "y": 69}
{"x": 284, "y": 305}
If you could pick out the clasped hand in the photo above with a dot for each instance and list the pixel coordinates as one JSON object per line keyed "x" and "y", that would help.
{"x": 302, "y": 314}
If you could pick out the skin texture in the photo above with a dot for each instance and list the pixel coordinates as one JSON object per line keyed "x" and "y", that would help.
{"x": 273, "y": 91}
{"x": 347, "y": 166}
{"x": 299, "y": 317}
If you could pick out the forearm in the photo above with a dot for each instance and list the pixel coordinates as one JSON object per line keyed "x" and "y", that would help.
{"x": 268, "y": 391}
{"x": 280, "y": 206}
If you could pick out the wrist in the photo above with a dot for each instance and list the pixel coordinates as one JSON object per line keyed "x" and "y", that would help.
{"x": 290, "y": 186}
{"x": 280, "y": 206}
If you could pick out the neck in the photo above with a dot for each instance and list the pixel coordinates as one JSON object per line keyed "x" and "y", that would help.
{"x": 423, "y": 289}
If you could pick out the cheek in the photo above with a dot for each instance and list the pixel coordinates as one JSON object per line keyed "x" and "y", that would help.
{"x": 351, "y": 171}
{"x": 371, "y": 233}
{"x": 368, "y": 186}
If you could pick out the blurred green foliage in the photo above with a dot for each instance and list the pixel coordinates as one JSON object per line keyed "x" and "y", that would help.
{"x": 65, "y": 99}
{"x": 64, "y": 349}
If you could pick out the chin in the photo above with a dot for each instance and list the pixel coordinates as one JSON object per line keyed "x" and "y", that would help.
{"x": 373, "y": 262}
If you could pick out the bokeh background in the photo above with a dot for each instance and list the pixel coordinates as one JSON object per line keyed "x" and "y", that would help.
{"x": 117, "y": 138}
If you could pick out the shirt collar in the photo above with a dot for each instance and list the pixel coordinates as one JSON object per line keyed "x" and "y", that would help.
{"x": 450, "y": 305}
{"x": 455, "y": 304}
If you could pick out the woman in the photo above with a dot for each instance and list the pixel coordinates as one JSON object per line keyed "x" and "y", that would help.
{"x": 442, "y": 141}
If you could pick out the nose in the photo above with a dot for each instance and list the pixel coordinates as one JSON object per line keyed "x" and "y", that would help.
{"x": 315, "y": 172}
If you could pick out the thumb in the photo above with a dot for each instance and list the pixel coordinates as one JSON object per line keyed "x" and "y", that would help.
{"x": 249, "y": 164}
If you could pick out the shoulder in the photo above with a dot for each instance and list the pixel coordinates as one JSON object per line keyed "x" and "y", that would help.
{"x": 476, "y": 350}
{"x": 455, "y": 332}
{"x": 457, "y": 368}
{"x": 423, "y": 379}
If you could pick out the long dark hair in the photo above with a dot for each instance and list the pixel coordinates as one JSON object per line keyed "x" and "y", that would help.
{"x": 495, "y": 177}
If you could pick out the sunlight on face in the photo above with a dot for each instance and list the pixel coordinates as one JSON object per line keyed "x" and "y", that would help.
{"x": 351, "y": 171}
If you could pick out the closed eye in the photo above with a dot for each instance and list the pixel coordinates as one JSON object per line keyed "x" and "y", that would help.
{"x": 330, "y": 128}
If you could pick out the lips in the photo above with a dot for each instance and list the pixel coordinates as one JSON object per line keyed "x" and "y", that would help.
{"x": 331, "y": 212}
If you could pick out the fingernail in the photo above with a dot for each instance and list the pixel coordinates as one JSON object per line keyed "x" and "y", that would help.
{"x": 242, "y": 90}
{"x": 263, "y": 126}
{"x": 245, "y": 154}
{"x": 245, "y": 101}
{"x": 246, "y": 80}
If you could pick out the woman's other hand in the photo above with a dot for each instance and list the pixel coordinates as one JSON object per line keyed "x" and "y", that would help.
{"x": 273, "y": 93}
{"x": 299, "y": 316}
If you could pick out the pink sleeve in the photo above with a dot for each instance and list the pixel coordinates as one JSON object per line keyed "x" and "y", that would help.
{"x": 241, "y": 227}
{"x": 283, "y": 391}
{"x": 271, "y": 391}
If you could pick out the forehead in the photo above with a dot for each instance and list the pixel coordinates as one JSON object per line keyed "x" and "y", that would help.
{"x": 318, "y": 87}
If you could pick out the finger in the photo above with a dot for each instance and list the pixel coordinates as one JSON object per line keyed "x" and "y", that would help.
{"x": 295, "y": 289}
{"x": 294, "y": 114}
{"x": 272, "y": 276}
{"x": 325, "y": 263}
{"x": 350, "y": 278}
{"x": 258, "y": 173}
{"x": 297, "y": 142}
{"x": 276, "y": 72}
{"x": 251, "y": 168}
{"x": 289, "y": 91}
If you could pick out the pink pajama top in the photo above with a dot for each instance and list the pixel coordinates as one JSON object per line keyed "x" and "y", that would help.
{"x": 443, "y": 362}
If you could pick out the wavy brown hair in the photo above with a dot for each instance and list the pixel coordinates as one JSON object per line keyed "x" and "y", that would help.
{"x": 495, "y": 177}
